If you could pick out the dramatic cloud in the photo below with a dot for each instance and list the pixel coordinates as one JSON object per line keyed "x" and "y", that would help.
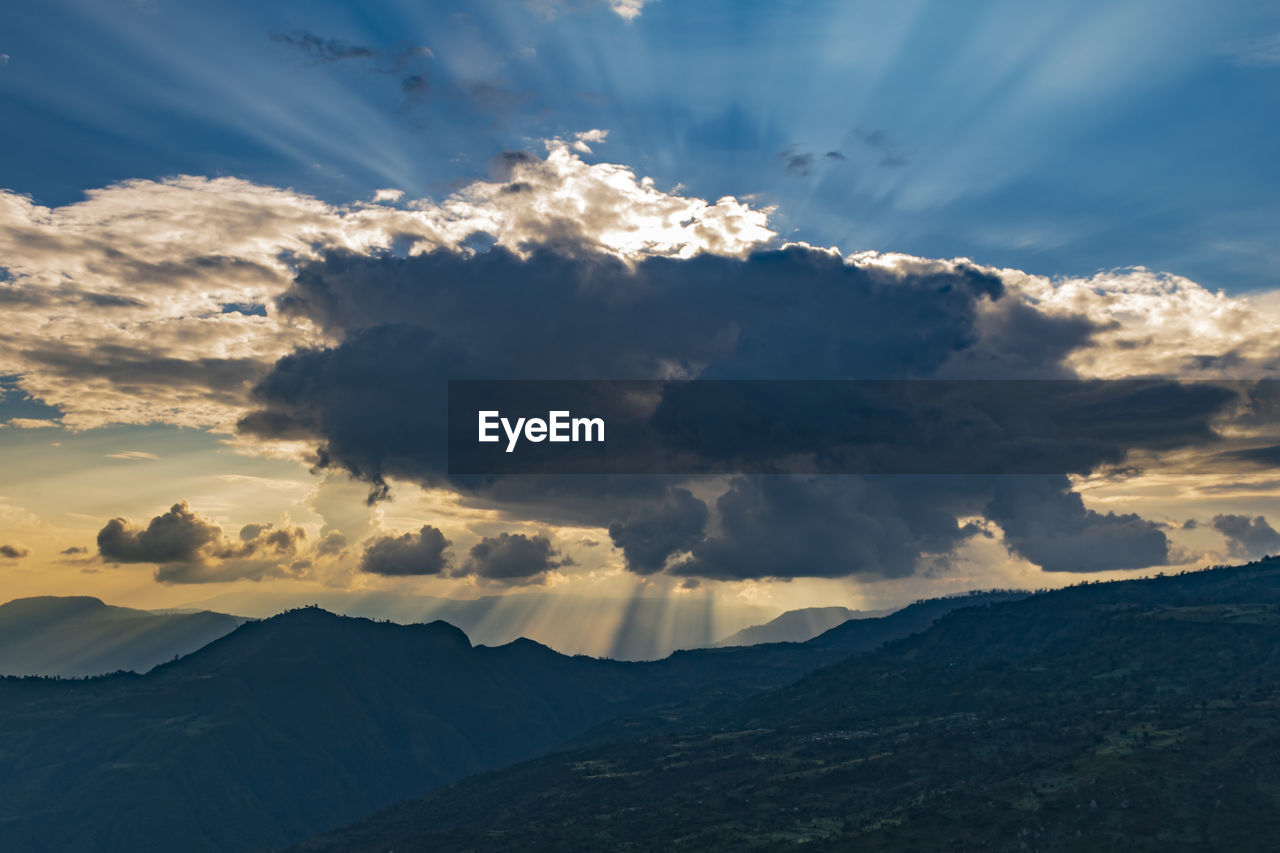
{"x": 116, "y": 306}
{"x": 220, "y": 302}
{"x": 1152, "y": 324}
{"x": 187, "y": 548}
{"x": 1247, "y": 538}
{"x": 653, "y": 534}
{"x": 829, "y": 526}
{"x": 421, "y": 553}
{"x": 13, "y": 552}
{"x": 1048, "y": 524}
{"x": 512, "y": 559}
{"x": 177, "y": 536}
{"x": 409, "y": 324}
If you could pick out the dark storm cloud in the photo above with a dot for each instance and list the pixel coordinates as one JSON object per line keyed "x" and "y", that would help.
{"x": 178, "y": 535}
{"x": 73, "y": 551}
{"x": 421, "y": 553}
{"x": 410, "y": 324}
{"x": 832, "y": 526}
{"x": 654, "y": 534}
{"x": 1048, "y": 524}
{"x": 374, "y": 401}
{"x": 13, "y": 552}
{"x": 187, "y": 548}
{"x": 827, "y": 527}
{"x": 1268, "y": 456}
{"x": 1247, "y": 538}
{"x": 512, "y": 559}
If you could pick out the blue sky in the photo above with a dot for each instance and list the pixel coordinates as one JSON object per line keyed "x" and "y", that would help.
{"x": 1058, "y": 138}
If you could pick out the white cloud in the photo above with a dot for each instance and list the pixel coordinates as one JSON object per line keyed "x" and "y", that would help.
{"x": 1161, "y": 324}
{"x": 583, "y": 139}
{"x": 562, "y": 199}
{"x": 628, "y": 10}
{"x": 32, "y": 423}
{"x": 115, "y": 304}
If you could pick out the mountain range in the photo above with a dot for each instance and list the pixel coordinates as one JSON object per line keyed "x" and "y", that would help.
{"x": 642, "y": 627}
{"x": 1140, "y": 715}
{"x": 302, "y": 722}
{"x": 80, "y": 636}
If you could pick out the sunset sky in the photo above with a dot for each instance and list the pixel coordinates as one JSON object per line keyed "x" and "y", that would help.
{"x": 241, "y": 252}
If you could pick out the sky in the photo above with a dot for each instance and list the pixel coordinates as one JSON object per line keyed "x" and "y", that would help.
{"x": 243, "y": 244}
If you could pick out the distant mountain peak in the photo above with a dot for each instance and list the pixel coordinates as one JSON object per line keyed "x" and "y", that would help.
{"x": 50, "y": 602}
{"x": 797, "y": 626}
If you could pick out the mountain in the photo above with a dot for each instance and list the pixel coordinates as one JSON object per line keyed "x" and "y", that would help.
{"x": 1140, "y": 715}
{"x": 80, "y": 636}
{"x": 305, "y": 721}
{"x": 635, "y": 628}
{"x": 796, "y": 626}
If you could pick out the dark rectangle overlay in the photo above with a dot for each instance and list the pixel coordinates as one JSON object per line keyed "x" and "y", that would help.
{"x": 871, "y": 427}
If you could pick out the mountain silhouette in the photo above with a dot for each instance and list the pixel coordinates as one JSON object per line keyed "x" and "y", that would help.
{"x": 79, "y": 636}
{"x": 1137, "y": 715}
{"x": 308, "y": 720}
{"x": 641, "y": 627}
{"x": 796, "y": 626}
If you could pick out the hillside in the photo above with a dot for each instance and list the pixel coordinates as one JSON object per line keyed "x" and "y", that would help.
{"x": 308, "y": 720}
{"x": 1142, "y": 715}
{"x": 79, "y": 636}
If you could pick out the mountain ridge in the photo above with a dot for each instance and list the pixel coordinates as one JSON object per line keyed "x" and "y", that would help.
{"x": 80, "y": 636}
{"x": 1136, "y": 714}
{"x": 797, "y": 626}
{"x": 290, "y": 725}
